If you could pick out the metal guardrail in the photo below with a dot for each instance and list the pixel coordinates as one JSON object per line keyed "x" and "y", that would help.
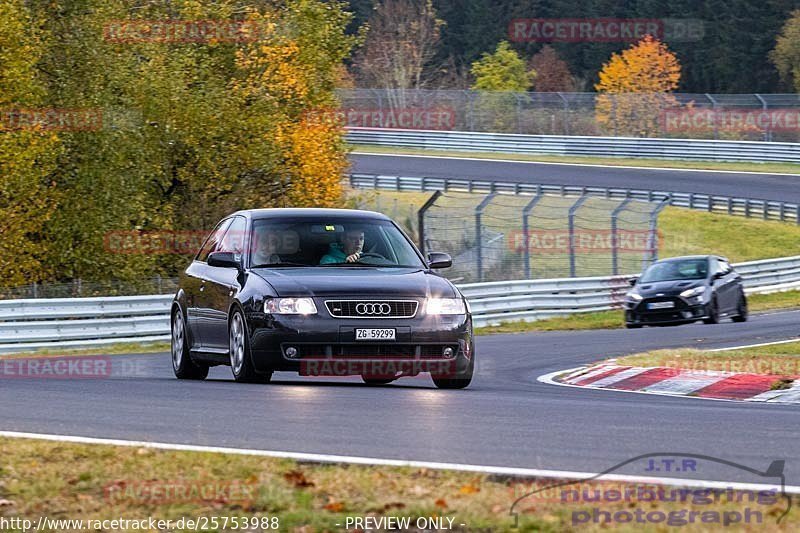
{"x": 77, "y": 322}
{"x": 692, "y": 149}
{"x": 747, "y": 207}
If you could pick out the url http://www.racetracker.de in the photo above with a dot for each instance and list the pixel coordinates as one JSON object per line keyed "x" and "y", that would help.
{"x": 201, "y": 523}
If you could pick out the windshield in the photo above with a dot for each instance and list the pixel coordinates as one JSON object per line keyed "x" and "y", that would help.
{"x": 676, "y": 270}
{"x": 338, "y": 242}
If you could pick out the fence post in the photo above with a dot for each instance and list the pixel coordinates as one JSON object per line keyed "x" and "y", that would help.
{"x": 652, "y": 240}
{"x": 478, "y": 231}
{"x": 572, "y": 211}
{"x": 767, "y": 131}
{"x": 614, "y": 242}
{"x": 421, "y": 219}
{"x": 526, "y": 211}
{"x": 714, "y": 114}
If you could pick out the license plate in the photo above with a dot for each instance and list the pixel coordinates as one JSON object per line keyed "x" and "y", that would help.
{"x": 661, "y": 305}
{"x": 374, "y": 334}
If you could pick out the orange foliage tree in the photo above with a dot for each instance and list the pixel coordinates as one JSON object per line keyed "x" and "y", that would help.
{"x": 635, "y": 87}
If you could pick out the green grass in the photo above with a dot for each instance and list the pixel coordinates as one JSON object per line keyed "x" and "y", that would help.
{"x": 96, "y": 482}
{"x": 778, "y": 168}
{"x": 686, "y": 232}
{"x": 600, "y": 320}
{"x": 114, "y": 349}
{"x": 777, "y": 359}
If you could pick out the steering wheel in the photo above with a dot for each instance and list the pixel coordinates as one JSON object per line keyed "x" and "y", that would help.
{"x": 373, "y": 254}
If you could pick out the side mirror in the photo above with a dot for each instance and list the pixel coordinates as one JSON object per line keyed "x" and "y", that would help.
{"x": 717, "y": 275}
{"x": 223, "y": 259}
{"x": 439, "y": 260}
{"x": 632, "y": 281}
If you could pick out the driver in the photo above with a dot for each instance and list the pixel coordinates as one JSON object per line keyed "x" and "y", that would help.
{"x": 349, "y": 251}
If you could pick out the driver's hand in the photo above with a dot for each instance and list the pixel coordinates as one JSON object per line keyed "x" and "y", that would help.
{"x": 353, "y": 258}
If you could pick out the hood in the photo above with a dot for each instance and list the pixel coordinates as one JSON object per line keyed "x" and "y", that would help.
{"x": 358, "y": 281}
{"x": 668, "y": 288}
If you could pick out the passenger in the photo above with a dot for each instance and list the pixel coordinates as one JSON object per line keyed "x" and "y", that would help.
{"x": 349, "y": 251}
{"x": 267, "y": 247}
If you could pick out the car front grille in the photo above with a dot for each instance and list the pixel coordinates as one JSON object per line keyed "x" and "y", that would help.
{"x": 371, "y": 351}
{"x": 372, "y": 308}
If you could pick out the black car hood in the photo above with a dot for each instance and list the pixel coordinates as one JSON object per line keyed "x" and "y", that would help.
{"x": 358, "y": 281}
{"x": 668, "y": 288}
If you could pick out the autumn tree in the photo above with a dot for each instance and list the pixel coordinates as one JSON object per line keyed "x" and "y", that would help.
{"x": 635, "y": 86}
{"x": 399, "y": 46}
{"x": 190, "y": 130}
{"x": 27, "y": 154}
{"x": 500, "y": 76}
{"x": 786, "y": 55}
{"x": 502, "y": 70}
{"x": 552, "y": 72}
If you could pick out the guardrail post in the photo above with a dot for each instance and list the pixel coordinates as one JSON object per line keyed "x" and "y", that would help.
{"x": 421, "y": 219}
{"x": 782, "y": 211}
{"x": 765, "y": 209}
{"x": 747, "y": 208}
{"x": 614, "y": 240}
{"x": 526, "y": 211}
{"x": 478, "y": 231}
{"x": 730, "y": 205}
{"x": 710, "y": 207}
{"x": 572, "y": 211}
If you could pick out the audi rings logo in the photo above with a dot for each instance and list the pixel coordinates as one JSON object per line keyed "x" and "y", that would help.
{"x": 371, "y": 308}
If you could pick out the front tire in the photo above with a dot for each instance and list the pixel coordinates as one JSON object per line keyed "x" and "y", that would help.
{"x": 182, "y": 363}
{"x": 741, "y": 309}
{"x": 713, "y": 313}
{"x": 239, "y": 352}
{"x": 460, "y": 382}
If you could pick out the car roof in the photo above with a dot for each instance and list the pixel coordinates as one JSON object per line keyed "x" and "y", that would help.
{"x": 681, "y": 258}
{"x": 310, "y": 212}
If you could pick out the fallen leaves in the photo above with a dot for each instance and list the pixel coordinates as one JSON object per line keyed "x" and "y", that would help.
{"x": 298, "y": 479}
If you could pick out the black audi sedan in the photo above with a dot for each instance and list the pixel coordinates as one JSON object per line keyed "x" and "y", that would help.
{"x": 686, "y": 289}
{"x": 321, "y": 292}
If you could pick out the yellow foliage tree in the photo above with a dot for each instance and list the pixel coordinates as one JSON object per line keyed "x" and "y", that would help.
{"x": 27, "y": 155}
{"x": 635, "y": 87}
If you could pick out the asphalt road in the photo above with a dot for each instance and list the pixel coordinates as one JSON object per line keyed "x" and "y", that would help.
{"x": 742, "y": 185}
{"x": 505, "y": 418}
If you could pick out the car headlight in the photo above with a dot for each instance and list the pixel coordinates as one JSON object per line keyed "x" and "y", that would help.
{"x": 445, "y": 306}
{"x": 635, "y": 296}
{"x": 290, "y": 306}
{"x": 697, "y": 291}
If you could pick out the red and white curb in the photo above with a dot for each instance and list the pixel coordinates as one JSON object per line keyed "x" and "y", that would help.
{"x": 711, "y": 385}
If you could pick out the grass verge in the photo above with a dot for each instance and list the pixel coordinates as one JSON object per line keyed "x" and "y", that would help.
{"x": 113, "y": 349}
{"x": 96, "y": 482}
{"x": 779, "y": 168}
{"x": 778, "y": 359}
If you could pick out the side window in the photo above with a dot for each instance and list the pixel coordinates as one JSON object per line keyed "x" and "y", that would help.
{"x": 233, "y": 241}
{"x": 212, "y": 240}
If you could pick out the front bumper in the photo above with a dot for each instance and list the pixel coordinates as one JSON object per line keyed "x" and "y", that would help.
{"x": 683, "y": 311}
{"x": 325, "y": 345}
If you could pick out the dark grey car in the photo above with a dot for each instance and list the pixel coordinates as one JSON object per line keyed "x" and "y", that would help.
{"x": 686, "y": 289}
